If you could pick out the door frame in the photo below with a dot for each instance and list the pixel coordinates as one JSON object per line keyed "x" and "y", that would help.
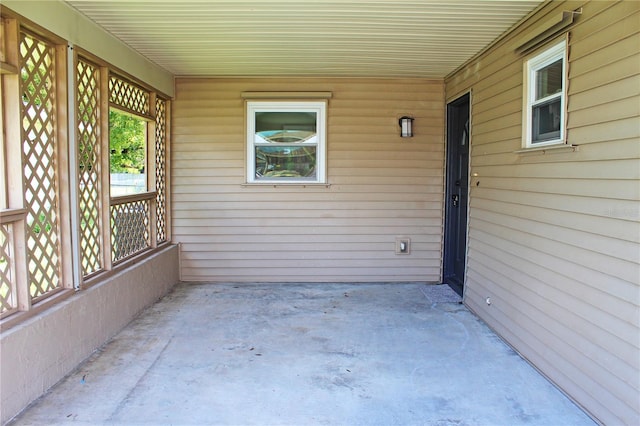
{"x": 448, "y": 182}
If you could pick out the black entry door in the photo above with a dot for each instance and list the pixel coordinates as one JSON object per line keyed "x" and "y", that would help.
{"x": 456, "y": 195}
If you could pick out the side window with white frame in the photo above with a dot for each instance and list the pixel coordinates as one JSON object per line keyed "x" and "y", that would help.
{"x": 286, "y": 142}
{"x": 545, "y": 100}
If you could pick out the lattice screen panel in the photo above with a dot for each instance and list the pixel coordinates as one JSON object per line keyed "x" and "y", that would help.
{"x": 38, "y": 82}
{"x": 88, "y": 87}
{"x": 161, "y": 171}
{"x": 7, "y": 286}
{"x": 129, "y": 228}
{"x": 129, "y": 96}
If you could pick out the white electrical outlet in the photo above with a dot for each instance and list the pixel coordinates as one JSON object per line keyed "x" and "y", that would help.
{"x": 403, "y": 245}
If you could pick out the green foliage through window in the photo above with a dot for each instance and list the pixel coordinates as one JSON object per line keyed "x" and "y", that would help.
{"x": 127, "y": 143}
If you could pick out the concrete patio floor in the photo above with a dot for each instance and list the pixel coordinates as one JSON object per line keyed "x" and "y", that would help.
{"x": 298, "y": 354}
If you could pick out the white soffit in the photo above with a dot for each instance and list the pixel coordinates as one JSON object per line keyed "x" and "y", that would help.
{"x": 307, "y": 38}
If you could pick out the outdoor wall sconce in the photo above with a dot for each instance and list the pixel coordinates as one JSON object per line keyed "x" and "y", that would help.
{"x": 406, "y": 126}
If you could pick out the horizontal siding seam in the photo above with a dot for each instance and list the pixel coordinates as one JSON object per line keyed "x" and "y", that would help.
{"x": 632, "y": 262}
{"x": 630, "y": 220}
{"x": 561, "y": 372}
{"x": 522, "y": 311}
{"x": 601, "y": 29}
{"x": 620, "y": 318}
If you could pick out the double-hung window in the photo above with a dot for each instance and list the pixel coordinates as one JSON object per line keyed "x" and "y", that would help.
{"x": 545, "y": 97}
{"x": 286, "y": 142}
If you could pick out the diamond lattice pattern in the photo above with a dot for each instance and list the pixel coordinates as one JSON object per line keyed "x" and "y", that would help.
{"x": 88, "y": 81}
{"x": 37, "y": 63}
{"x": 129, "y": 228}
{"x": 7, "y": 293}
{"x": 126, "y": 95}
{"x": 161, "y": 195}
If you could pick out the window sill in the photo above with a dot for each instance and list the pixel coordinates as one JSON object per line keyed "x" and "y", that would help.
{"x": 287, "y": 184}
{"x": 12, "y": 215}
{"x": 549, "y": 149}
{"x": 6, "y": 68}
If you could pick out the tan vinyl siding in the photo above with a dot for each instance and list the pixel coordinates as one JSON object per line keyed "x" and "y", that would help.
{"x": 380, "y": 186}
{"x": 554, "y": 238}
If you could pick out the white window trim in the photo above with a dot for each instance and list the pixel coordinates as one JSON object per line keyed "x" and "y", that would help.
{"x": 319, "y": 107}
{"x": 559, "y": 51}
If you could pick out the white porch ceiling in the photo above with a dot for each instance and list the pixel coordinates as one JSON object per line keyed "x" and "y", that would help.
{"x": 307, "y": 38}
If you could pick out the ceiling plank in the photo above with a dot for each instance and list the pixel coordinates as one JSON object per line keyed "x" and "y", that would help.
{"x": 323, "y": 38}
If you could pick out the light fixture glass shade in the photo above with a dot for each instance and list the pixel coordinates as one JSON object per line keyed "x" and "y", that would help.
{"x": 406, "y": 126}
